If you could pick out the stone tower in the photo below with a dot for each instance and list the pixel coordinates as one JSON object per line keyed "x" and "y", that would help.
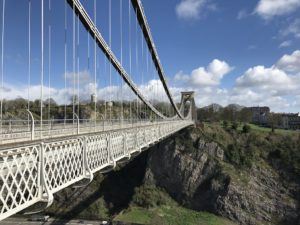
{"x": 188, "y": 96}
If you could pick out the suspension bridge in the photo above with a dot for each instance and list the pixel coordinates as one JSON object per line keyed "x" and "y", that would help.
{"x": 112, "y": 102}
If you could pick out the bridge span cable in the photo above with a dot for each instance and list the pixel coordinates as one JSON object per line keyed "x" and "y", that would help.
{"x": 129, "y": 47}
{"x": 29, "y": 61}
{"x": 110, "y": 69}
{"x": 29, "y": 55}
{"x": 2, "y": 62}
{"x": 49, "y": 62}
{"x": 65, "y": 77}
{"x": 42, "y": 68}
{"x": 136, "y": 67}
{"x": 78, "y": 60}
{"x": 148, "y": 37}
{"x": 90, "y": 26}
{"x": 95, "y": 63}
{"x": 74, "y": 60}
{"x": 121, "y": 53}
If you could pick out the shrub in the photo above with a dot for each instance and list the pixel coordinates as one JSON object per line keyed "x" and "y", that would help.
{"x": 239, "y": 156}
{"x": 225, "y": 124}
{"x": 234, "y": 125}
{"x": 149, "y": 196}
{"x": 246, "y": 128}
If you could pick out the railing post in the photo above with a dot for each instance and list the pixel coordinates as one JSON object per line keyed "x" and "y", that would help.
{"x": 110, "y": 153}
{"x": 125, "y": 143}
{"x": 145, "y": 136}
{"x": 32, "y": 124}
{"x": 77, "y": 119}
{"x": 88, "y": 173}
{"x": 9, "y": 129}
{"x": 44, "y": 193}
{"x": 40, "y": 170}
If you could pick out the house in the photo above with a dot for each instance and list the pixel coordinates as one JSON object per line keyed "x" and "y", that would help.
{"x": 260, "y": 115}
{"x": 290, "y": 121}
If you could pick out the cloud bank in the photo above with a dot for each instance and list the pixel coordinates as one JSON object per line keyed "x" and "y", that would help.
{"x": 271, "y": 8}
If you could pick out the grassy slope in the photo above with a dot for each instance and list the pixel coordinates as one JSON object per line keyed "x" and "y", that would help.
{"x": 266, "y": 129}
{"x": 170, "y": 215}
{"x": 152, "y": 205}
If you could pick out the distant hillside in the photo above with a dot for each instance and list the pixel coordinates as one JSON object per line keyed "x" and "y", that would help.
{"x": 214, "y": 106}
{"x": 235, "y": 107}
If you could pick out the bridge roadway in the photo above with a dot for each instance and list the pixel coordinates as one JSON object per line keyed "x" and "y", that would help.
{"x": 33, "y": 171}
{"x": 16, "y": 131}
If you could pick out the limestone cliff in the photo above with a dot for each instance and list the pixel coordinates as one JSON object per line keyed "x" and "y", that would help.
{"x": 195, "y": 172}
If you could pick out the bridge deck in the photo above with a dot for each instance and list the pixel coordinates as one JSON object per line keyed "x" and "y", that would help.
{"x": 21, "y": 130}
{"x": 32, "y": 172}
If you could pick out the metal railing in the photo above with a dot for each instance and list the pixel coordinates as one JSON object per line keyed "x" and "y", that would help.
{"x": 14, "y": 131}
{"x": 32, "y": 173}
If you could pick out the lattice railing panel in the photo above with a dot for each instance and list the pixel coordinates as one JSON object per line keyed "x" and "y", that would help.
{"x": 33, "y": 173}
{"x": 131, "y": 143}
{"x": 63, "y": 163}
{"x": 19, "y": 178}
{"x": 140, "y": 137}
{"x": 97, "y": 151}
{"x": 117, "y": 145}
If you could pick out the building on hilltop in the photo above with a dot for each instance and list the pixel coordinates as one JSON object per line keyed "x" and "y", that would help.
{"x": 260, "y": 115}
{"x": 290, "y": 121}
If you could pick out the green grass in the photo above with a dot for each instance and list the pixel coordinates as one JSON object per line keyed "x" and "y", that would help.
{"x": 170, "y": 215}
{"x": 266, "y": 129}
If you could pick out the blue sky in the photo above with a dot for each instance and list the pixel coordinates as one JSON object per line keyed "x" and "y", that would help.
{"x": 245, "y": 52}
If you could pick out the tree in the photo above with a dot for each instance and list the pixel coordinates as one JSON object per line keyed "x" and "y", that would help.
{"x": 245, "y": 115}
{"x": 274, "y": 121}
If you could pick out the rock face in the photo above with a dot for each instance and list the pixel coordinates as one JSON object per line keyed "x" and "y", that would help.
{"x": 193, "y": 171}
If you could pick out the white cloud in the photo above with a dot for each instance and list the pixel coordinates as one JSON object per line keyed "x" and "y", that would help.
{"x": 252, "y": 47}
{"x": 152, "y": 90}
{"x": 292, "y": 29}
{"x": 242, "y": 14}
{"x": 83, "y": 77}
{"x": 192, "y": 9}
{"x": 210, "y": 76}
{"x": 275, "y": 86}
{"x": 11, "y": 92}
{"x": 270, "y": 8}
{"x": 267, "y": 81}
{"x": 290, "y": 63}
{"x": 285, "y": 44}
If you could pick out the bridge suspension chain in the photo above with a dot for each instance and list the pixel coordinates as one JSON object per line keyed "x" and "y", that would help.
{"x": 148, "y": 37}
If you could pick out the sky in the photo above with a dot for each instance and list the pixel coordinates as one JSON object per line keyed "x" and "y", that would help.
{"x": 237, "y": 51}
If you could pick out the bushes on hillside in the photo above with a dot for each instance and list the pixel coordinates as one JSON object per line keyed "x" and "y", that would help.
{"x": 149, "y": 196}
{"x": 225, "y": 124}
{"x": 246, "y": 128}
{"x": 234, "y": 125}
{"x": 239, "y": 156}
